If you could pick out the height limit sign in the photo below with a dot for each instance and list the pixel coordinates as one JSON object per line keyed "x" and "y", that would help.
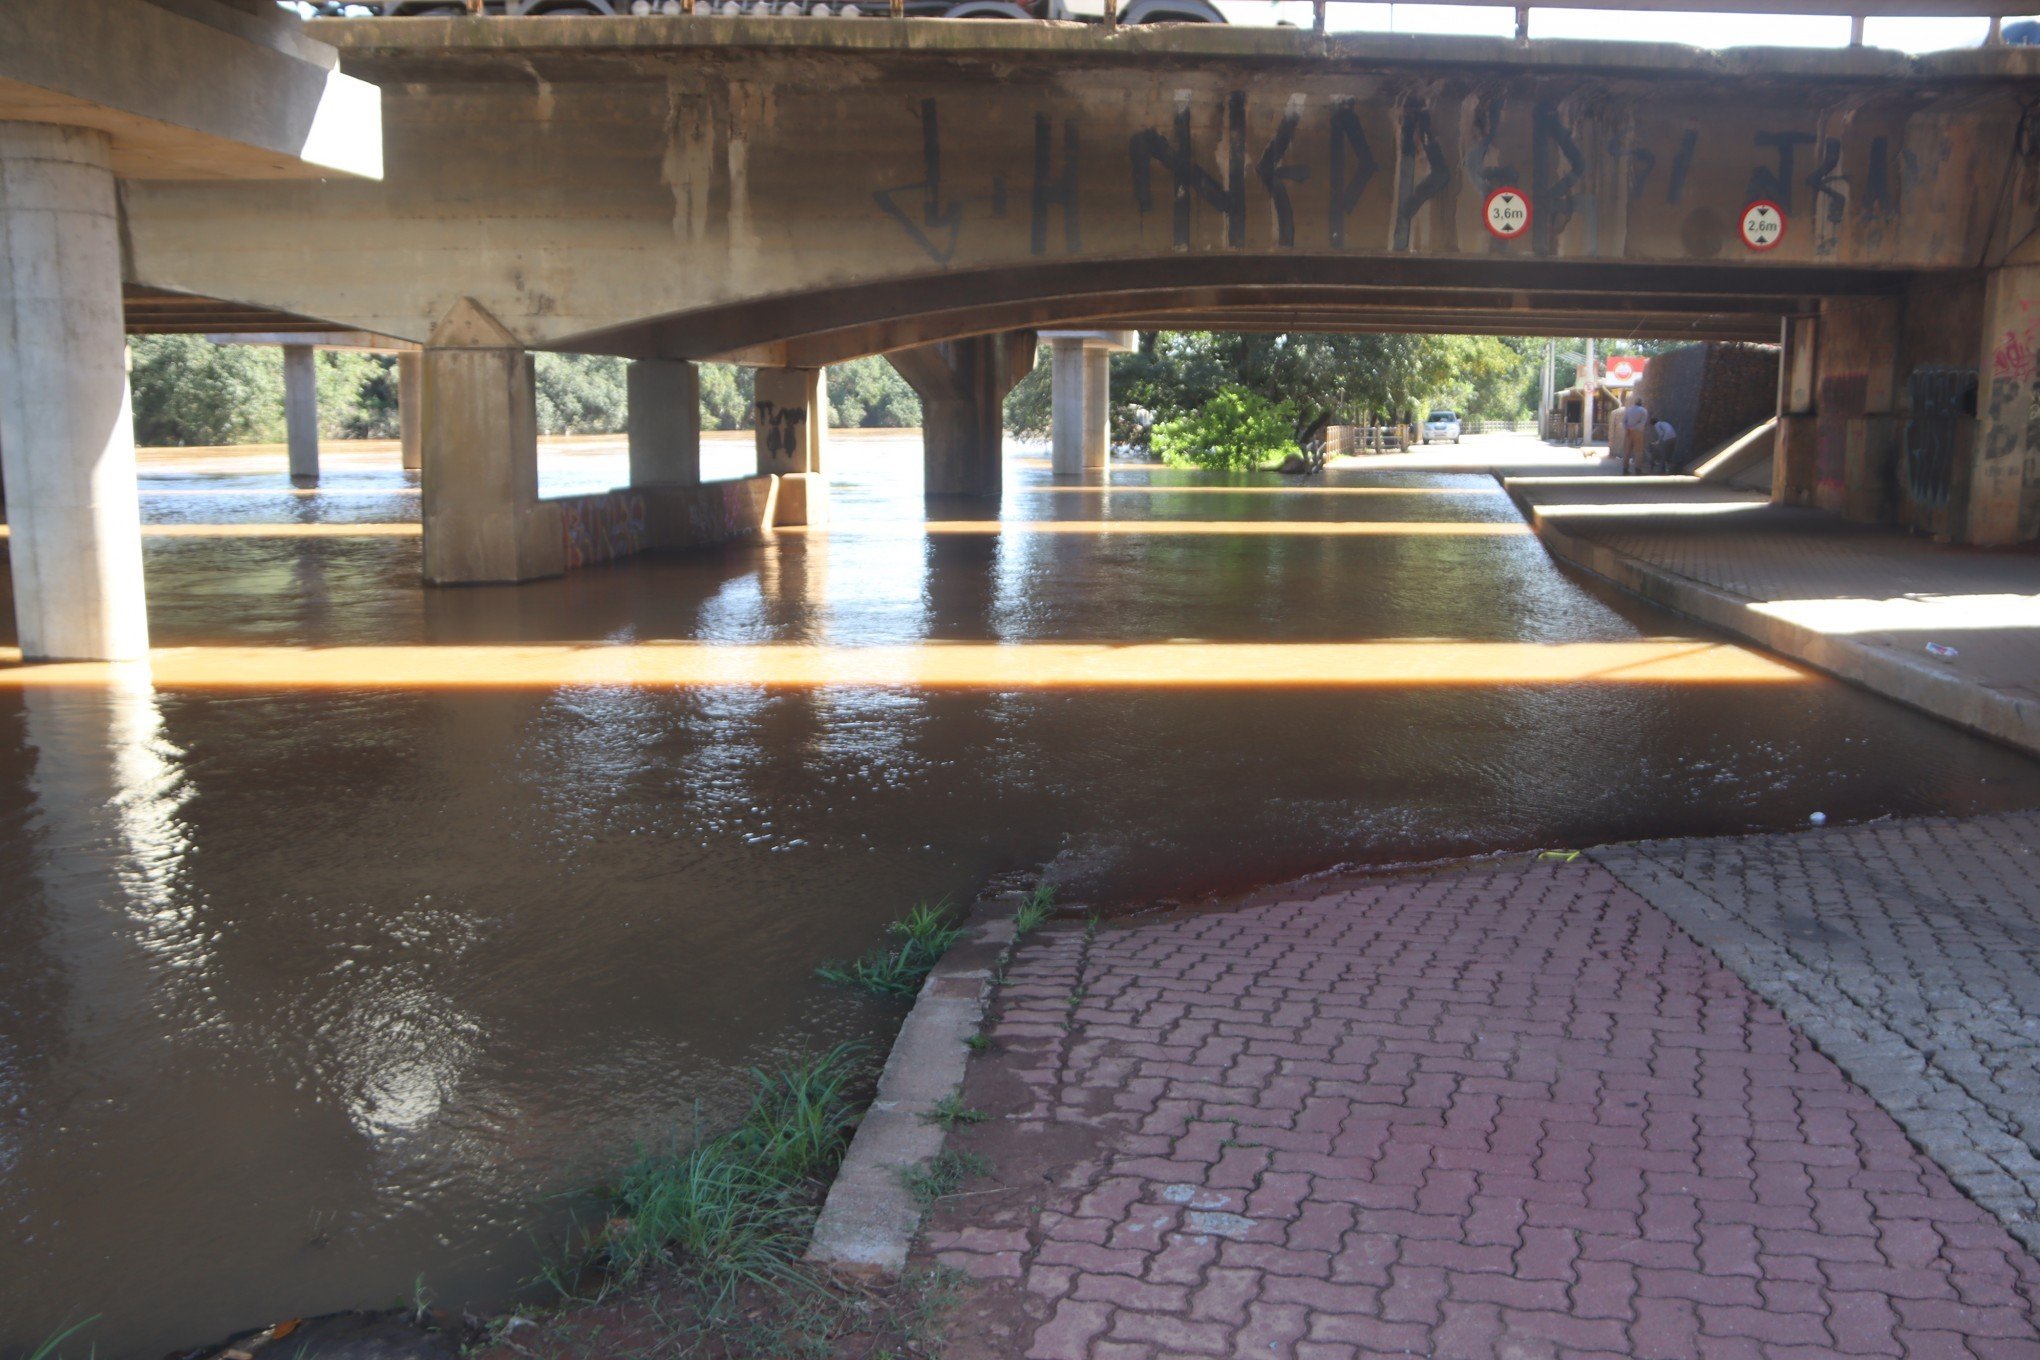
{"x": 1763, "y": 225}
{"x": 1507, "y": 212}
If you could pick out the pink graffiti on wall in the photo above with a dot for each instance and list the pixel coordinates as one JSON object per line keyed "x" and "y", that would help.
{"x": 2013, "y": 359}
{"x": 602, "y": 528}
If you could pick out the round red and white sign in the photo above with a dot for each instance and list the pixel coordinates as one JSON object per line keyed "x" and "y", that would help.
{"x": 1507, "y": 212}
{"x": 1763, "y": 225}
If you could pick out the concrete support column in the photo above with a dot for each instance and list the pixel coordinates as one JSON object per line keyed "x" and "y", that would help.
{"x": 791, "y": 406}
{"x": 963, "y": 385}
{"x": 1080, "y": 398}
{"x": 1794, "y": 453}
{"x": 1067, "y": 390}
{"x": 301, "y": 411}
{"x": 1097, "y": 408}
{"x": 483, "y": 520}
{"x": 2003, "y": 495}
{"x": 410, "y": 408}
{"x": 665, "y": 422}
{"x": 1855, "y": 436}
{"x": 66, "y": 430}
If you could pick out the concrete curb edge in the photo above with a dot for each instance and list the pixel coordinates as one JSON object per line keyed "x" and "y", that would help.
{"x": 868, "y": 1223}
{"x": 1916, "y": 684}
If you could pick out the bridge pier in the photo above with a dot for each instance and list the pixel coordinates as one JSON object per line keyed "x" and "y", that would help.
{"x": 301, "y": 412}
{"x": 483, "y": 520}
{"x": 792, "y": 410}
{"x": 1916, "y": 409}
{"x": 963, "y": 385}
{"x": 410, "y": 413}
{"x": 1080, "y": 398}
{"x": 665, "y": 422}
{"x": 66, "y": 430}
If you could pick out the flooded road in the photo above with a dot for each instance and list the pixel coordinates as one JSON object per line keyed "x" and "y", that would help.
{"x": 322, "y": 971}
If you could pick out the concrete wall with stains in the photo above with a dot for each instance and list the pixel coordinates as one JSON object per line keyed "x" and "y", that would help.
{"x": 697, "y": 187}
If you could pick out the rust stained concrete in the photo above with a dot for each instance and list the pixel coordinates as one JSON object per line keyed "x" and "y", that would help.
{"x": 685, "y": 188}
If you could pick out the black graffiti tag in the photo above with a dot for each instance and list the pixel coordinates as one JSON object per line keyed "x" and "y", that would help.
{"x": 1147, "y": 148}
{"x": 939, "y": 223}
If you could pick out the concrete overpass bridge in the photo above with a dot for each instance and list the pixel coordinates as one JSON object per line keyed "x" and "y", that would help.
{"x": 794, "y": 192}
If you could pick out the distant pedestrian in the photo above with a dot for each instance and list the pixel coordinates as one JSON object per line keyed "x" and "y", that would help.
{"x": 1635, "y": 421}
{"x": 1664, "y": 440}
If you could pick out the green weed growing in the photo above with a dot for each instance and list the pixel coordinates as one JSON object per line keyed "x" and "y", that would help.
{"x": 898, "y": 970}
{"x": 1034, "y": 911}
{"x": 734, "y": 1209}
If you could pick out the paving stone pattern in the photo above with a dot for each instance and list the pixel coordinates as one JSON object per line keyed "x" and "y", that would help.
{"x": 1909, "y": 951}
{"x": 1506, "y": 1110}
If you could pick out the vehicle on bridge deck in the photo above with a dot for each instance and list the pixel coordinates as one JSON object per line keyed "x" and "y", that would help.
{"x": 1440, "y": 426}
{"x": 1083, "y": 11}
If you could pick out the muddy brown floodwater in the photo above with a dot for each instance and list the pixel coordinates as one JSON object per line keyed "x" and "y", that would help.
{"x": 316, "y": 984}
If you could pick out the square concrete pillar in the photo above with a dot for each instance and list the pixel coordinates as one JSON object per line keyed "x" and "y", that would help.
{"x": 791, "y": 407}
{"x": 66, "y": 430}
{"x": 2003, "y": 496}
{"x": 410, "y": 408}
{"x": 1080, "y": 398}
{"x": 301, "y": 411}
{"x": 1795, "y": 452}
{"x": 665, "y": 422}
{"x": 483, "y": 520}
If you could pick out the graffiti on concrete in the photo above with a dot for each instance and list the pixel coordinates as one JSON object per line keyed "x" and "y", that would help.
{"x": 602, "y": 528}
{"x": 1941, "y": 397}
{"x": 784, "y": 429}
{"x": 939, "y": 223}
{"x": 1206, "y": 163}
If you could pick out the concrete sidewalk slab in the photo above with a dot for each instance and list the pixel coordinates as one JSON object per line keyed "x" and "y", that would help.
{"x": 1860, "y": 602}
{"x": 1505, "y": 1109}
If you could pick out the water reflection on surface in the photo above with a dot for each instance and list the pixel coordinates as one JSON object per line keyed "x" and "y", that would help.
{"x": 324, "y": 963}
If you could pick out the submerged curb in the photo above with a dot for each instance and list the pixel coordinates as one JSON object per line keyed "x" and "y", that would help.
{"x": 1916, "y": 684}
{"x": 868, "y": 1223}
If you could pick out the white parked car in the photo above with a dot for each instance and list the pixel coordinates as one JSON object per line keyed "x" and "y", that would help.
{"x": 1440, "y": 426}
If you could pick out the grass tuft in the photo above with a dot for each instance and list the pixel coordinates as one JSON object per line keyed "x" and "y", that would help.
{"x": 733, "y": 1210}
{"x": 1034, "y": 911}
{"x": 47, "y": 1350}
{"x": 898, "y": 970}
{"x": 942, "y": 1177}
{"x": 951, "y": 1111}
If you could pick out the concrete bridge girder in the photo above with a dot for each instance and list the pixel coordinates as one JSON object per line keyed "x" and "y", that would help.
{"x": 641, "y": 198}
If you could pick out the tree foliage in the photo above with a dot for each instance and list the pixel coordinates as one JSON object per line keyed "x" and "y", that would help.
{"x": 1326, "y": 379}
{"x": 187, "y": 390}
{"x": 1234, "y": 431}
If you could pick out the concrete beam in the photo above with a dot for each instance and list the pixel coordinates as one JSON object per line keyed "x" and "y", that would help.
{"x": 190, "y": 91}
{"x": 301, "y": 412}
{"x": 66, "y": 436}
{"x": 664, "y": 408}
{"x": 483, "y": 520}
{"x": 338, "y": 339}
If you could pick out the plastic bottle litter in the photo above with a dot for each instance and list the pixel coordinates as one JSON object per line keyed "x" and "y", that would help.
{"x": 1818, "y": 819}
{"x": 1941, "y": 649}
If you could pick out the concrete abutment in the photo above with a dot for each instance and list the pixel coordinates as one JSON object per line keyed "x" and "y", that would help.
{"x": 66, "y": 430}
{"x": 1915, "y": 408}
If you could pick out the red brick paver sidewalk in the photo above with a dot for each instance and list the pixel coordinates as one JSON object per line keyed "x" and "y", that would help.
{"x": 1501, "y": 1111}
